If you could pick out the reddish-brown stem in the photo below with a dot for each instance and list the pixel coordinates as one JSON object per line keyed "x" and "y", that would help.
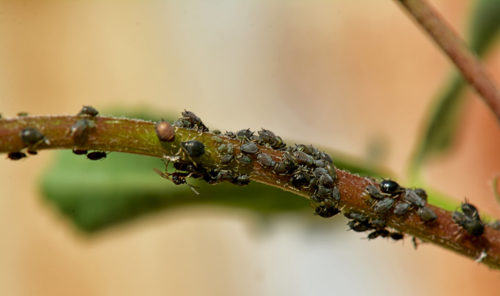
{"x": 457, "y": 51}
{"x": 137, "y": 136}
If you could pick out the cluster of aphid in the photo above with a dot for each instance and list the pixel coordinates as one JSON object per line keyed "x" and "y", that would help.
{"x": 307, "y": 167}
{"x": 361, "y": 223}
{"x": 32, "y": 138}
{"x": 391, "y": 197}
{"x": 400, "y": 200}
{"x": 469, "y": 219}
{"x": 80, "y": 131}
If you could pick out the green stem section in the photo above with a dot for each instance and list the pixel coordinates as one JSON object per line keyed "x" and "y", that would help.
{"x": 139, "y": 137}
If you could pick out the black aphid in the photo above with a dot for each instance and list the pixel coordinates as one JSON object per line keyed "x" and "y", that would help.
{"x": 374, "y": 192}
{"x": 413, "y": 198}
{"x": 16, "y": 155}
{"x": 326, "y": 211}
{"x": 249, "y": 148}
{"x": 79, "y": 151}
{"x": 31, "y": 137}
{"x": 193, "y": 148}
{"x": 383, "y": 206}
{"x": 265, "y": 160}
{"x": 96, "y": 155}
{"x": 194, "y": 121}
{"x": 303, "y": 158}
{"x": 88, "y": 111}
{"x": 378, "y": 223}
{"x": 356, "y": 216}
{"x": 359, "y": 226}
{"x": 426, "y": 214}
{"x": 244, "y": 134}
{"x": 401, "y": 208}
{"x": 241, "y": 180}
{"x": 377, "y": 233}
{"x": 397, "y": 236}
{"x": 80, "y": 131}
{"x": 225, "y": 175}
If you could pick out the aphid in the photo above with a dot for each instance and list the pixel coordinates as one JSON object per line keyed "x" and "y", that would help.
{"x": 269, "y": 138}
{"x": 377, "y": 233}
{"x": 469, "y": 210}
{"x": 280, "y": 167}
{"x": 244, "y": 159}
{"x": 320, "y": 163}
{"x": 216, "y": 132}
{"x": 359, "y": 217}
{"x": 230, "y": 135}
{"x": 241, "y": 180}
{"x": 96, "y": 155}
{"x": 32, "y": 152}
{"x": 374, "y": 192}
{"x": 164, "y": 131}
{"x": 378, "y": 223}
{"x": 31, "y": 137}
{"x": 326, "y": 180}
{"x": 79, "y": 151}
{"x": 265, "y": 160}
{"x": 249, "y": 148}
{"x": 335, "y": 194}
{"x": 88, "y": 111}
{"x": 244, "y": 134}
{"x": 426, "y": 214}
{"x": 226, "y": 158}
{"x": 397, "y": 236}
{"x": 300, "y": 179}
{"x": 473, "y": 225}
{"x": 359, "y": 226}
{"x": 318, "y": 172}
{"x": 401, "y": 208}
{"x": 326, "y": 211}
{"x": 225, "y": 175}
{"x": 16, "y": 155}
{"x": 193, "y": 148}
{"x": 217, "y": 139}
{"x": 326, "y": 157}
{"x": 80, "y": 131}
{"x": 390, "y": 187}
{"x": 421, "y": 192}
{"x": 383, "y": 206}
{"x": 321, "y": 193}
{"x": 194, "y": 120}
{"x": 413, "y": 198}
{"x": 303, "y": 158}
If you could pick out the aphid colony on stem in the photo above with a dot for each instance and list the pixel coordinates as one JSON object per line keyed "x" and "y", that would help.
{"x": 390, "y": 198}
{"x": 306, "y": 167}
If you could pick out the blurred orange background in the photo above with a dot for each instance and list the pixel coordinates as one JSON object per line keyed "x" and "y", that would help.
{"x": 340, "y": 74}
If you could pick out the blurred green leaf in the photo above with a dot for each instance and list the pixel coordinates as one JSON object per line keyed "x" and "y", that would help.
{"x": 485, "y": 25}
{"x": 442, "y": 123}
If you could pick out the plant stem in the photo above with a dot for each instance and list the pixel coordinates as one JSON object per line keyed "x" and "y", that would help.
{"x": 139, "y": 137}
{"x": 449, "y": 41}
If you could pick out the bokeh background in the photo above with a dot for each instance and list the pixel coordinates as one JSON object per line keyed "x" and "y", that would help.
{"x": 355, "y": 76}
